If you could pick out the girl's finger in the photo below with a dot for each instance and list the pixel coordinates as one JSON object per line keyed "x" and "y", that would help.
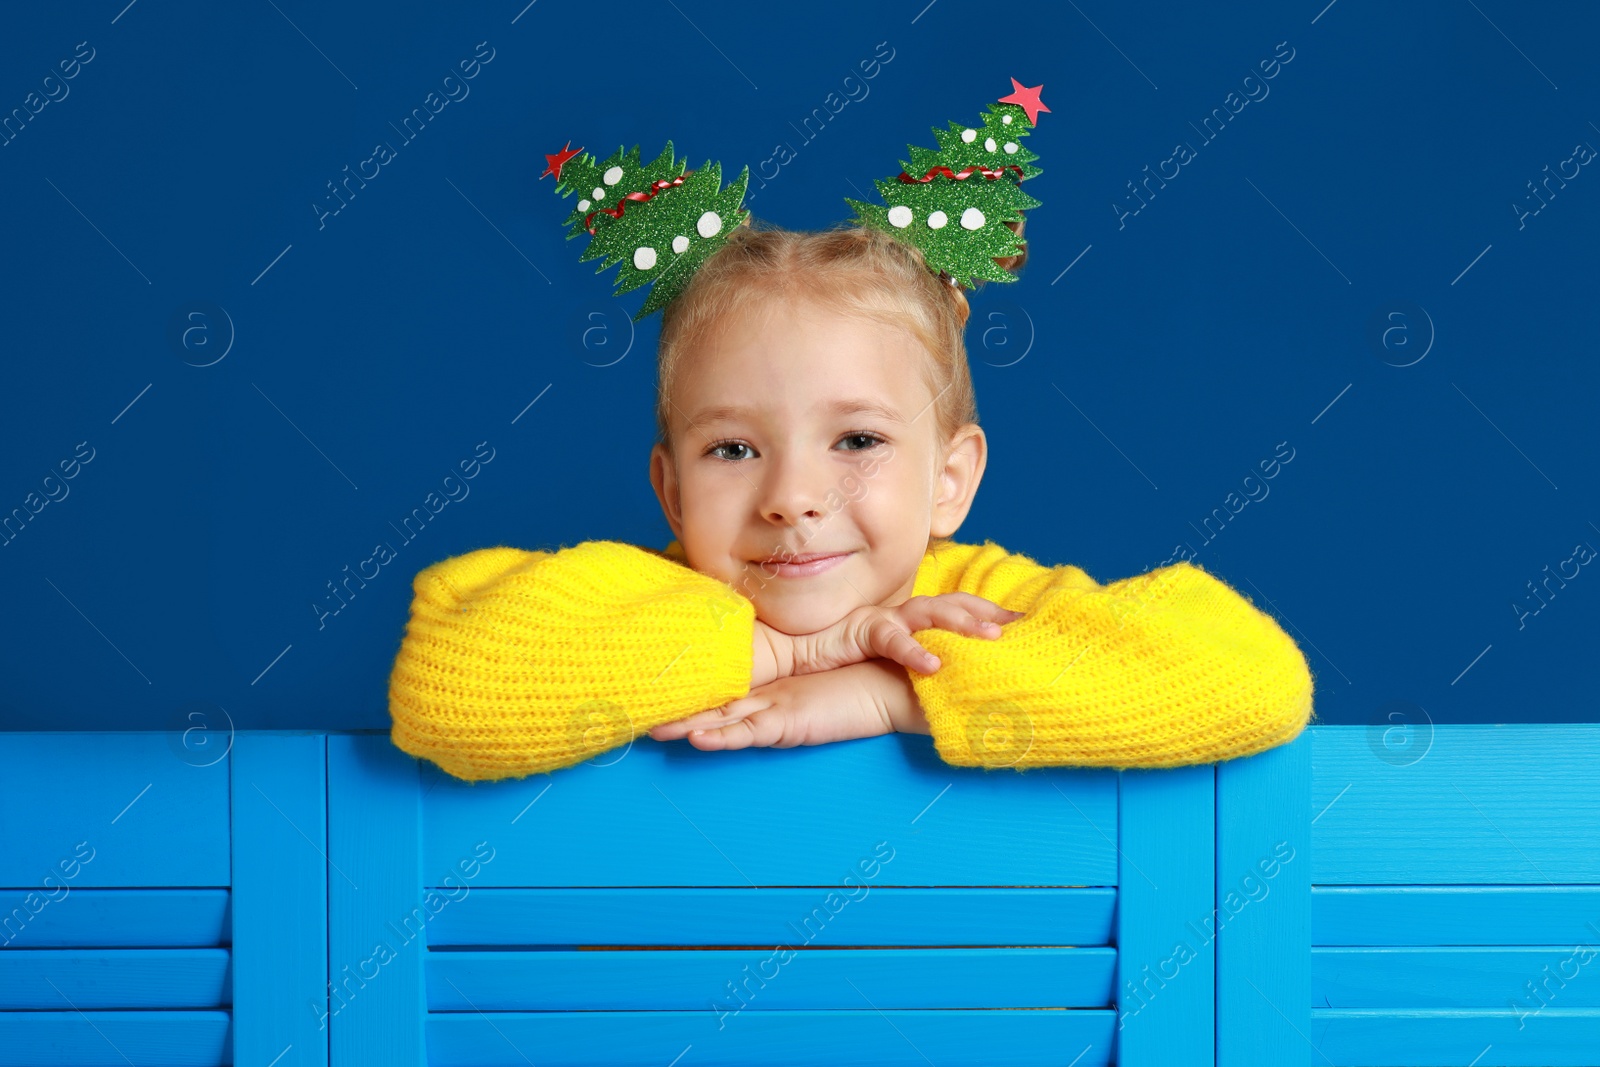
{"x": 741, "y": 734}
{"x": 669, "y": 731}
{"x": 962, "y": 613}
{"x": 958, "y": 619}
{"x": 891, "y": 640}
{"x": 980, "y": 618}
{"x": 968, "y": 610}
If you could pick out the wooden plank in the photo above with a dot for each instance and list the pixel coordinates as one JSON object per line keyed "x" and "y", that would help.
{"x": 114, "y": 1038}
{"x": 1263, "y": 915}
{"x": 114, "y": 918}
{"x": 864, "y": 1038}
{"x": 92, "y": 809}
{"x": 1165, "y": 952}
{"x": 860, "y": 915}
{"x": 280, "y": 898}
{"x": 670, "y": 815}
{"x": 378, "y": 911}
{"x": 53, "y": 979}
{"x": 1529, "y": 977}
{"x": 770, "y": 978}
{"x": 1557, "y": 1037}
{"x": 1504, "y": 803}
{"x": 1455, "y": 915}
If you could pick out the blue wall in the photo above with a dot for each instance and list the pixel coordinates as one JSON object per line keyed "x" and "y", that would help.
{"x": 251, "y": 390}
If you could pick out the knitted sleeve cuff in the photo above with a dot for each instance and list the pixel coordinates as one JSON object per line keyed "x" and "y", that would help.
{"x": 1164, "y": 669}
{"x": 515, "y": 662}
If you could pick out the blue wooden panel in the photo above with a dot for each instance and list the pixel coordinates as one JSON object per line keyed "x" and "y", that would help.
{"x": 115, "y": 918}
{"x": 81, "y": 810}
{"x": 1455, "y": 914}
{"x": 896, "y": 915}
{"x": 56, "y": 979}
{"x": 1557, "y": 1037}
{"x": 114, "y": 1039}
{"x": 1479, "y": 804}
{"x": 1404, "y": 973}
{"x": 113, "y": 975}
{"x": 1483, "y": 804}
{"x": 668, "y": 814}
{"x": 1456, "y": 977}
{"x": 1165, "y": 952}
{"x": 1263, "y": 914}
{"x": 771, "y": 978}
{"x": 280, "y": 898}
{"x": 378, "y": 911}
{"x": 864, "y": 1038}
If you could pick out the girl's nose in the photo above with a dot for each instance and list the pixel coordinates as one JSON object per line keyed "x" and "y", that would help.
{"x": 794, "y": 491}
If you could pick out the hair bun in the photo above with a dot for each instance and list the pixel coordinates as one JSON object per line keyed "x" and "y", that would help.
{"x": 1010, "y": 264}
{"x": 958, "y": 295}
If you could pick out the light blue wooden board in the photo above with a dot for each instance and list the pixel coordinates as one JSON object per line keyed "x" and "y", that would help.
{"x": 280, "y": 898}
{"x": 863, "y": 1038}
{"x": 60, "y": 979}
{"x": 139, "y": 811}
{"x": 116, "y": 918}
{"x": 1566, "y": 976}
{"x": 378, "y": 911}
{"x": 667, "y": 814}
{"x": 771, "y": 978}
{"x": 400, "y": 833}
{"x": 1483, "y": 804}
{"x": 865, "y": 915}
{"x": 1456, "y": 915}
{"x": 1166, "y": 845}
{"x": 1557, "y": 1037}
{"x": 114, "y": 1039}
{"x": 1263, "y": 908}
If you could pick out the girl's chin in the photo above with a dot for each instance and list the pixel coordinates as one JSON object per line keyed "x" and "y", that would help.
{"x": 796, "y": 619}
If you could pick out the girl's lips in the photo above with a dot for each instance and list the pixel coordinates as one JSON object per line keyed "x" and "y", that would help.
{"x": 779, "y": 569}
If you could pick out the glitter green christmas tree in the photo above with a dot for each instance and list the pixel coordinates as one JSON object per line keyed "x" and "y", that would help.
{"x": 658, "y": 220}
{"x": 953, "y": 202}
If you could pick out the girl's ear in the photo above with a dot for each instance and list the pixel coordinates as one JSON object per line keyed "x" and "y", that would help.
{"x": 966, "y": 456}
{"x": 664, "y": 478}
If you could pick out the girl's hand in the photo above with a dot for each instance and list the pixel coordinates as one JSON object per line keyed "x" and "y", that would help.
{"x": 810, "y": 709}
{"x": 876, "y": 631}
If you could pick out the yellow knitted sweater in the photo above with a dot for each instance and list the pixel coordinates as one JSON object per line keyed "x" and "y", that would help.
{"x": 515, "y": 662}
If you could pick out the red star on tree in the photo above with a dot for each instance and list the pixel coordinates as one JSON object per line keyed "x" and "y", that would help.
{"x": 1027, "y": 99}
{"x": 553, "y": 163}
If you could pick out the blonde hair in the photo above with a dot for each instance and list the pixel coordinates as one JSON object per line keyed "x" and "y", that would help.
{"x": 853, "y": 269}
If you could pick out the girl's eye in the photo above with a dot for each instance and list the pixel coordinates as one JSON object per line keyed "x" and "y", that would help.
{"x": 716, "y": 449}
{"x": 872, "y": 439}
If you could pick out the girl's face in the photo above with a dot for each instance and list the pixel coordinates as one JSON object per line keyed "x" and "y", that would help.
{"x": 801, "y": 432}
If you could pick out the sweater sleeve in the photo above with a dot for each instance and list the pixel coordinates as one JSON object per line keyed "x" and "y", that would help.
{"x": 515, "y": 662}
{"x": 1164, "y": 669}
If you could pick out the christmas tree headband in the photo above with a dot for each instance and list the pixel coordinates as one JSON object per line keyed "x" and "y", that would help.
{"x": 661, "y": 222}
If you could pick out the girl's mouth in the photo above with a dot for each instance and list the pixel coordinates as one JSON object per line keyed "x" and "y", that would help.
{"x": 809, "y": 565}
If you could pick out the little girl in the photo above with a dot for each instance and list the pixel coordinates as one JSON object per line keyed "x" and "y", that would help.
{"x": 818, "y": 449}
